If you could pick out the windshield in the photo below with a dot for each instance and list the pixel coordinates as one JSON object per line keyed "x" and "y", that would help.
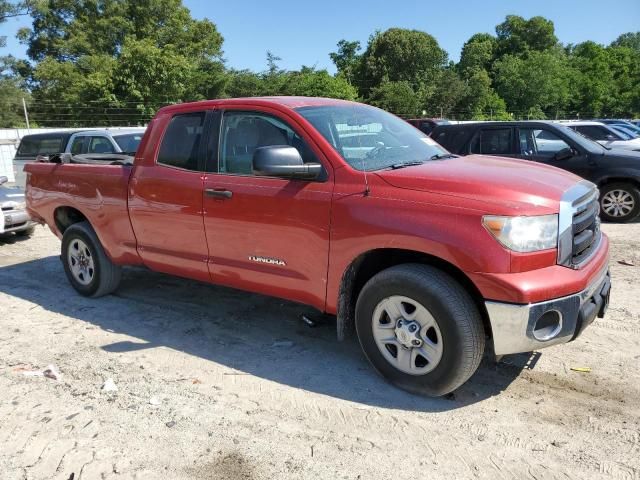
{"x": 589, "y": 145}
{"x": 128, "y": 143}
{"x": 369, "y": 138}
{"x": 627, "y": 134}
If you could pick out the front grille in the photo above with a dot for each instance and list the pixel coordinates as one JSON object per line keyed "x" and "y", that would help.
{"x": 7, "y": 209}
{"x": 586, "y": 230}
{"x": 579, "y": 225}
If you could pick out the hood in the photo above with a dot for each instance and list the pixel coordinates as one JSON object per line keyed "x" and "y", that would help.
{"x": 514, "y": 184}
{"x": 11, "y": 197}
{"x": 629, "y": 157}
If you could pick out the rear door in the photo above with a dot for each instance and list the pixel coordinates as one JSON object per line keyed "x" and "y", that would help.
{"x": 497, "y": 141}
{"x": 266, "y": 234}
{"x": 165, "y": 200}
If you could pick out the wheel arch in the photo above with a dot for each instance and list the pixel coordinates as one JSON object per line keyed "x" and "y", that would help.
{"x": 617, "y": 179}
{"x": 66, "y": 216}
{"x": 369, "y": 263}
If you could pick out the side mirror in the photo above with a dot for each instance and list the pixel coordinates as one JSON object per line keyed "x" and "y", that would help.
{"x": 3, "y": 179}
{"x": 285, "y": 162}
{"x": 564, "y": 154}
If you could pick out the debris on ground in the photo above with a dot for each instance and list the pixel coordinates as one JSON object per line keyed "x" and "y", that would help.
{"x": 155, "y": 401}
{"x": 581, "y": 369}
{"x": 50, "y": 372}
{"x": 109, "y": 385}
{"x": 308, "y": 321}
{"x": 170, "y": 424}
{"x": 628, "y": 263}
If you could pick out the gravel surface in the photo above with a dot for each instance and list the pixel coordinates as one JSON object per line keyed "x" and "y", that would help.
{"x": 172, "y": 379}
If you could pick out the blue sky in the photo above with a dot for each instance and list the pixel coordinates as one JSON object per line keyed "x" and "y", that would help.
{"x": 303, "y": 33}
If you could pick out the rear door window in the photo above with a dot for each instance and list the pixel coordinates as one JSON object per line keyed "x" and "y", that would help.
{"x": 492, "y": 141}
{"x": 181, "y": 142}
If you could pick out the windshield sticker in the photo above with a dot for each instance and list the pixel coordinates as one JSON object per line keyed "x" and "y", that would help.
{"x": 428, "y": 141}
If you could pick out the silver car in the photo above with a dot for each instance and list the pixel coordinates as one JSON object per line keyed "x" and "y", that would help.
{"x": 14, "y": 218}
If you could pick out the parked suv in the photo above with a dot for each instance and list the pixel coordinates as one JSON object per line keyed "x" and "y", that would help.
{"x": 615, "y": 172}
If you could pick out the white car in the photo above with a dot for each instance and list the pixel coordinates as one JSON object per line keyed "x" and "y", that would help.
{"x": 14, "y": 217}
{"x": 605, "y": 135}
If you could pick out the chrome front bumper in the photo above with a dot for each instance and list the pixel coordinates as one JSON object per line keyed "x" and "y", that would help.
{"x": 515, "y": 327}
{"x": 16, "y": 221}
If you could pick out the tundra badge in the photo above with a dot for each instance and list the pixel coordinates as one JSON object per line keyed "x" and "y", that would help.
{"x": 268, "y": 260}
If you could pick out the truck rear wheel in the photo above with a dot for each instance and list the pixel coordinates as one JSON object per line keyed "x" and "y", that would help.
{"x": 88, "y": 268}
{"x": 420, "y": 329}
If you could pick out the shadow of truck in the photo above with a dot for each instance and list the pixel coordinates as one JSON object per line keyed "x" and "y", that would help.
{"x": 250, "y": 333}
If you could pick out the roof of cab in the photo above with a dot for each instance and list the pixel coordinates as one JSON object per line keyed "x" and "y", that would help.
{"x": 282, "y": 101}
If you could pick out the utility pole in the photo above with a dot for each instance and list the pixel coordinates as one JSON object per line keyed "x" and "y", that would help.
{"x": 26, "y": 115}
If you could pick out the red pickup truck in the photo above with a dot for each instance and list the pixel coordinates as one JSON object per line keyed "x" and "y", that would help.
{"x": 347, "y": 208}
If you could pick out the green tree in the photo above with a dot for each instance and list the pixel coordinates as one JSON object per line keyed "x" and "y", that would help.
{"x": 400, "y": 55}
{"x": 317, "y": 83}
{"x": 517, "y": 36}
{"x": 397, "y": 97}
{"x": 126, "y": 57}
{"x": 12, "y": 92}
{"x": 481, "y": 102}
{"x": 346, "y": 59}
{"x": 541, "y": 79}
{"x": 449, "y": 88}
{"x": 592, "y": 81}
{"x": 10, "y": 9}
{"x": 629, "y": 40}
{"x": 477, "y": 53}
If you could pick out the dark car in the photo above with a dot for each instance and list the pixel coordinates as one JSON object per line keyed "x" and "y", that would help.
{"x": 615, "y": 172}
{"x": 426, "y": 125}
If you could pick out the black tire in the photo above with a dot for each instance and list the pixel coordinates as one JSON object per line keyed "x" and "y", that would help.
{"x": 455, "y": 312}
{"x": 106, "y": 276}
{"x": 26, "y": 233}
{"x": 629, "y": 188}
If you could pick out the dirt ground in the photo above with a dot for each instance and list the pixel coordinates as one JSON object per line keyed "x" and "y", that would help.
{"x": 218, "y": 384}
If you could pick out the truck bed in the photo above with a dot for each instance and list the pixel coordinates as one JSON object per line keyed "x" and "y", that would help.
{"x": 98, "y": 192}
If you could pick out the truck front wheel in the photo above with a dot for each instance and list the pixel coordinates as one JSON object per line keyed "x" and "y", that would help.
{"x": 420, "y": 329}
{"x": 88, "y": 268}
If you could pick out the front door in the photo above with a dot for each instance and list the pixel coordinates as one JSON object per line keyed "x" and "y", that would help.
{"x": 542, "y": 145}
{"x": 266, "y": 234}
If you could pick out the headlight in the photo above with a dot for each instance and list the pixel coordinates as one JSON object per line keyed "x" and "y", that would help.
{"x": 524, "y": 234}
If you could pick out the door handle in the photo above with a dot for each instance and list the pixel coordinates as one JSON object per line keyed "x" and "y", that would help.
{"x": 212, "y": 192}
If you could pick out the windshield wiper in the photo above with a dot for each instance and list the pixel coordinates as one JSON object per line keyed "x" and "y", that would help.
{"x": 396, "y": 166}
{"x": 440, "y": 156}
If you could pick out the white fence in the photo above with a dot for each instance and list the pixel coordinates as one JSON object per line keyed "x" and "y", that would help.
{"x": 10, "y": 139}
